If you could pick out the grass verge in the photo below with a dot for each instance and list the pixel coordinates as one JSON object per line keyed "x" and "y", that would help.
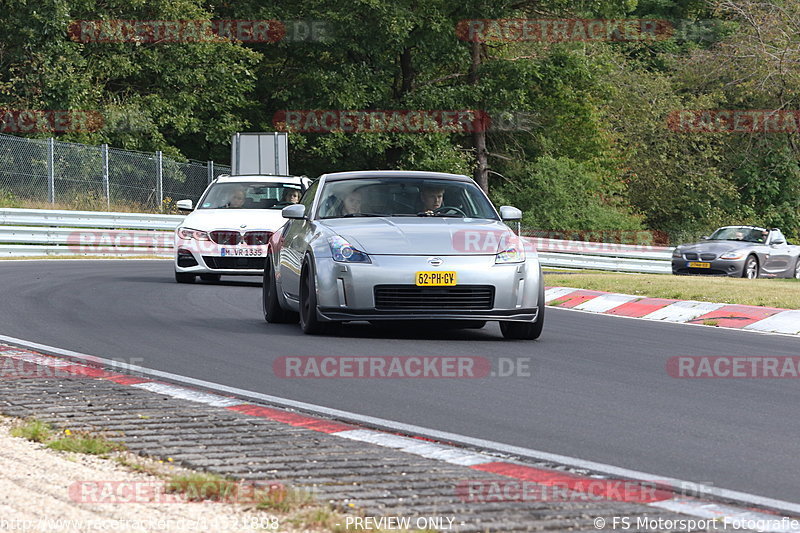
{"x": 66, "y": 441}
{"x": 781, "y": 293}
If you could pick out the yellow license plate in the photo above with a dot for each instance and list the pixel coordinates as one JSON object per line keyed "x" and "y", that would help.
{"x": 699, "y": 265}
{"x": 435, "y": 279}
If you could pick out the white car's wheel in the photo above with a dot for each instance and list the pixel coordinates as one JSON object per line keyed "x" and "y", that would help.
{"x": 184, "y": 277}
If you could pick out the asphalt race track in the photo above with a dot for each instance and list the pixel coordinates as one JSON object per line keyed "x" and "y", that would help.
{"x": 599, "y": 389}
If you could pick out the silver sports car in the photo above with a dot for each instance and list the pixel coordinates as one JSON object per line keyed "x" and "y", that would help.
{"x": 739, "y": 251}
{"x": 396, "y": 245}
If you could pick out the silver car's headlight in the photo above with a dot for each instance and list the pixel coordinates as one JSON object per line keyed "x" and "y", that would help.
{"x": 733, "y": 255}
{"x": 677, "y": 252}
{"x": 344, "y": 252}
{"x": 511, "y": 251}
{"x": 189, "y": 233}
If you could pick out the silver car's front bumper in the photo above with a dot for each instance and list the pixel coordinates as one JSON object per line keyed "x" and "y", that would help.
{"x": 347, "y": 291}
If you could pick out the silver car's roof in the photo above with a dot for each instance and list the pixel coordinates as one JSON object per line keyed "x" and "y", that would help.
{"x": 360, "y": 174}
{"x": 744, "y": 226}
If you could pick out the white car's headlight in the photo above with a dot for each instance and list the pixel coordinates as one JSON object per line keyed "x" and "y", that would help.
{"x": 511, "y": 250}
{"x": 344, "y": 252}
{"x": 734, "y": 255}
{"x": 189, "y": 233}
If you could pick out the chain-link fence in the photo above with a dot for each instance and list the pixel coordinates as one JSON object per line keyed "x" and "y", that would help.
{"x": 59, "y": 172}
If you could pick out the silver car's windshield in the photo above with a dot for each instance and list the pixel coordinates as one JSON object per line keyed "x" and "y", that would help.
{"x": 745, "y": 234}
{"x": 403, "y": 197}
{"x": 242, "y": 195}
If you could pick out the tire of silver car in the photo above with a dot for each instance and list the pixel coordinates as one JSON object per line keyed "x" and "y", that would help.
{"x": 309, "y": 322}
{"x": 184, "y": 277}
{"x": 750, "y": 270}
{"x": 273, "y": 312}
{"x": 527, "y": 330}
{"x": 797, "y": 269}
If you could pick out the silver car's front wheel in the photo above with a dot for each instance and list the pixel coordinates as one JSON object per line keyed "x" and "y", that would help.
{"x": 797, "y": 269}
{"x": 750, "y": 268}
{"x": 309, "y": 322}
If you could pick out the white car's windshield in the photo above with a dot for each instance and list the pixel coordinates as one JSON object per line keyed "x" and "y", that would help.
{"x": 242, "y": 195}
{"x": 398, "y": 197}
{"x": 740, "y": 234}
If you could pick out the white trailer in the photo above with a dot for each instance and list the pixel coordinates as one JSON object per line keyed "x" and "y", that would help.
{"x": 262, "y": 154}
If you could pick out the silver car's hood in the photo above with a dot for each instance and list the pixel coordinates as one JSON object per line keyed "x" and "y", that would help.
{"x": 716, "y": 247}
{"x": 421, "y": 235}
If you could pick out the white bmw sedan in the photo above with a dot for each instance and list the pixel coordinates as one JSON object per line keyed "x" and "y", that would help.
{"x": 227, "y": 233}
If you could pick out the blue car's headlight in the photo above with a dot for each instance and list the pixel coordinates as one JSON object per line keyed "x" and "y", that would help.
{"x": 345, "y": 252}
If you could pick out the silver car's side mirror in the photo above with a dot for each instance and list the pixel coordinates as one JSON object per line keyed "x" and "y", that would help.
{"x": 184, "y": 205}
{"x": 705, "y": 237}
{"x": 778, "y": 241}
{"x": 510, "y": 213}
{"x": 294, "y": 211}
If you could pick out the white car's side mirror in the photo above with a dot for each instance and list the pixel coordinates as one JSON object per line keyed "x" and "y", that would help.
{"x": 294, "y": 211}
{"x": 510, "y": 213}
{"x": 184, "y": 205}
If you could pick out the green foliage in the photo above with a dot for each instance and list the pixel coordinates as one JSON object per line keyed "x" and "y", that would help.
{"x": 562, "y": 194}
{"x": 595, "y": 154}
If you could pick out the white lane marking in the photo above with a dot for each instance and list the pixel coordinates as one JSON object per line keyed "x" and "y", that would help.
{"x": 606, "y": 302}
{"x": 783, "y": 322}
{"x": 677, "y": 324}
{"x": 188, "y": 394}
{"x": 400, "y": 427}
{"x": 554, "y": 293}
{"x": 732, "y": 516}
{"x": 683, "y": 311}
{"x": 431, "y": 450}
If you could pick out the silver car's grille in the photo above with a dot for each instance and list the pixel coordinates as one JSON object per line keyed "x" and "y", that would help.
{"x": 691, "y": 256}
{"x": 708, "y": 257}
{"x": 465, "y": 297}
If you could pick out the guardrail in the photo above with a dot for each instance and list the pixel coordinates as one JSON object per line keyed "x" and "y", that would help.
{"x": 37, "y": 232}
{"x": 603, "y": 256}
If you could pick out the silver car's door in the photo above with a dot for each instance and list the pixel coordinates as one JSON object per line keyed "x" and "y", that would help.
{"x": 294, "y": 246}
{"x": 780, "y": 253}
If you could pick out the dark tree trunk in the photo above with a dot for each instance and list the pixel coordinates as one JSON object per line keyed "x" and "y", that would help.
{"x": 481, "y": 173}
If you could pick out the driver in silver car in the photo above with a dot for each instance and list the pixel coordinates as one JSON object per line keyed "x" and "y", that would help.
{"x": 431, "y": 198}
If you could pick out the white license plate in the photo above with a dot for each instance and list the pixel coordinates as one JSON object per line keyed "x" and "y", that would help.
{"x": 241, "y": 252}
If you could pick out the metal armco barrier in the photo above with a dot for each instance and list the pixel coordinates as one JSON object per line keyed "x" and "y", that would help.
{"x": 37, "y": 232}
